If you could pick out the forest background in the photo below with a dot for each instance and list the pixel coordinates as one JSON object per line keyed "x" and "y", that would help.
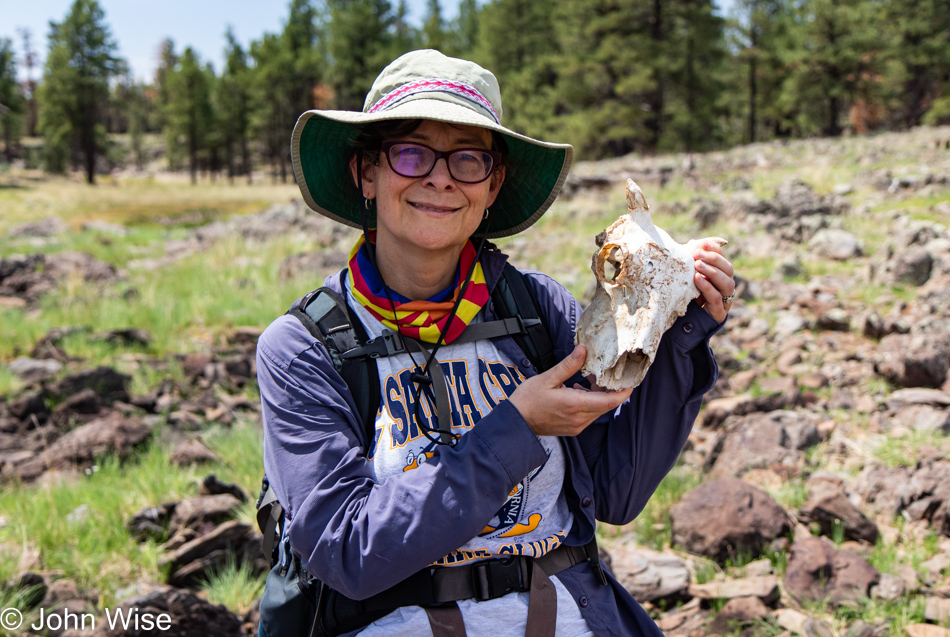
{"x": 608, "y": 76}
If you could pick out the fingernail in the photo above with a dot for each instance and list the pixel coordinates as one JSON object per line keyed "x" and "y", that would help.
{"x": 577, "y": 351}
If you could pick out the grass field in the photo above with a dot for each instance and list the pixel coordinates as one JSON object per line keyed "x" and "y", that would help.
{"x": 190, "y": 304}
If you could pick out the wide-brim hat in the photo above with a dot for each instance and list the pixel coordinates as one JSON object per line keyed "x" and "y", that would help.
{"x": 426, "y": 85}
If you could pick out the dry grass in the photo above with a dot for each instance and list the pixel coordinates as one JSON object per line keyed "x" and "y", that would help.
{"x": 166, "y": 199}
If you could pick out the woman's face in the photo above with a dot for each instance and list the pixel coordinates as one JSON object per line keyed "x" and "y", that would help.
{"x": 435, "y": 212}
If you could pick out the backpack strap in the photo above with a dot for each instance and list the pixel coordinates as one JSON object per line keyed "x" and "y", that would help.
{"x": 512, "y": 298}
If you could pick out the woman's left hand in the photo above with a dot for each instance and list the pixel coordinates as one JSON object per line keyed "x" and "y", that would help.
{"x": 713, "y": 278}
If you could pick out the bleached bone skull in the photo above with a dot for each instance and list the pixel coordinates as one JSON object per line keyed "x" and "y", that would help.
{"x": 648, "y": 285}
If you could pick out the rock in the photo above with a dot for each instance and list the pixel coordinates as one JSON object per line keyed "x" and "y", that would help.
{"x": 313, "y": 265}
{"x": 839, "y": 245}
{"x": 828, "y": 508}
{"x": 835, "y": 320}
{"x": 920, "y": 418}
{"x": 791, "y": 620}
{"x": 706, "y": 212}
{"x": 245, "y": 336}
{"x": 107, "y": 382}
{"x": 204, "y": 512}
{"x": 912, "y": 265}
{"x": 913, "y": 360}
{"x": 48, "y": 227}
{"x": 104, "y": 227}
{"x": 758, "y": 568}
{"x": 764, "y": 588}
{"x": 936, "y": 565}
{"x": 926, "y": 630}
{"x": 890, "y": 587}
{"x": 918, "y": 396}
{"x": 684, "y": 621}
{"x": 212, "y": 486}
{"x": 760, "y": 441}
{"x": 232, "y": 541}
{"x": 78, "y": 516}
{"x": 737, "y": 613}
{"x": 78, "y": 448}
{"x": 788, "y": 323}
{"x": 816, "y": 572}
{"x": 30, "y": 404}
{"x": 80, "y": 407}
{"x": 723, "y": 518}
{"x": 151, "y": 522}
{"x": 127, "y": 336}
{"x": 937, "y": 610}
{"x": 29, "y": 586}
{"x": 191, "y": 452}
{"x": 31, "y": 370}
{"x": 649, "y": 575}
{"x": 191, "y": 616}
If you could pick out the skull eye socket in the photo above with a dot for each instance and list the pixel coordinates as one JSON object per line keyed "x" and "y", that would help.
{"x": 616, "y": 261}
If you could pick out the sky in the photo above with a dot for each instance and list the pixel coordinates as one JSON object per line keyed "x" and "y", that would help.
{"x": 140, "y": 25}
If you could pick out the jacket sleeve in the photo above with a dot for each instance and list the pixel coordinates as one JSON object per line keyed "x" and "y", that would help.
{"x": 351, "y": 531}
{"x": 629, "y": 451}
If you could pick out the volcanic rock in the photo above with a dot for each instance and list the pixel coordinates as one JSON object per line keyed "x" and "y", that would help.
{"x": 649, "y": 575}
{"x": 725, "y": 517}
{"x": 816, "y": 571}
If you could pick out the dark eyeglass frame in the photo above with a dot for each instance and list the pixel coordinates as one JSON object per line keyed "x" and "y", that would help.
{"x": 387, "y": 146}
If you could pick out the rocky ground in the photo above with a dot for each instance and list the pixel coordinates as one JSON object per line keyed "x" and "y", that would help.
{"x": 813, "y": 497}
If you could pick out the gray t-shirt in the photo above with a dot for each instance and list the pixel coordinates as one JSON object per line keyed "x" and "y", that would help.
{"x": 533, "y": 521}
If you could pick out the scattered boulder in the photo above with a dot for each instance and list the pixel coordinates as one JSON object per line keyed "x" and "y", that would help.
{"x": 151, "y": 522}
{"x": 912, "y": 265}
{"x": 204, "y": 512}
{"x": 937, "y": 610}
{"x": 765, "y": 440}
{"x": 109, "y": 383}
{"x": 127, "y": 337}
{"x": 764, "y": 588}
{"x": 816, "y": 572}
{"x": 78, "y": 448}
{"x": 191, "y": 616}
{"x": 212, "y": 486}
{"x": 31, "y": 370}
{"x": 914, "y": 360}
{"x": 725, "y": 517}
{"x": 48, "y": 227}
{"x": 198, "y": 558}
{"x": 830, "y": 507}
{"x": 738, "y": 613}
{"x": 314, "y": 265}
{"x": 190, "y": 452}
{"x": 649, "y": 575}
{"x": 926, "y": 630}
{"x": 836, "y": 244}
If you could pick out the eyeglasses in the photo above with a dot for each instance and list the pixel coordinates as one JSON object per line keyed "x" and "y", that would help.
{"x": 466, "y": 165}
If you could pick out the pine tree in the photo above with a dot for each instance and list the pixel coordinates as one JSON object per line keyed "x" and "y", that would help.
{"x": 434, "y": 29}
{"x": 606, "y": 76}
{"x": 918, "y": 50}
{"x": 695, "y": 47}
{"x": 188, "y": 112}
{"x": 757, "y": 33}
{"x": 464, "y": 31}
{"x": 516, "y": 43}
{"x": 79, "y": 66}
{"x": 233, "y": 105}
{"x": 271, "y": 90}
{"x": 11, "y": 100}
{"x": 360, "y": 42}
{"x": 833, "y": 59}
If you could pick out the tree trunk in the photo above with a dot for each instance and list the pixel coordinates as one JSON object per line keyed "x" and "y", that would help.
{"x": 753, "y": 88}
{"x": 89, "y": 141}
{"x": 245, "y": 159}
{"x": 655, "y": 121}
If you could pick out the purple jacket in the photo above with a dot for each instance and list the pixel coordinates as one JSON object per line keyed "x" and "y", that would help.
{"x": 360, "y": 537}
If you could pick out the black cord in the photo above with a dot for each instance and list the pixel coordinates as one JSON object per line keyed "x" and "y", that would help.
{"x": 421, "y": 382}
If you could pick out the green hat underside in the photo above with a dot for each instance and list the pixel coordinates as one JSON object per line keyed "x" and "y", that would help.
{"x": 321, "y": 147}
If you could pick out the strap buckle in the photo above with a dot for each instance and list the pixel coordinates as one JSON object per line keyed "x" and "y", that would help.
{"x": 495, "y": 578}
{"x": 388, "y": 343}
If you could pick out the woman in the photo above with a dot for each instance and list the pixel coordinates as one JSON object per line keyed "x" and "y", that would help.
{"x": 506, "y": 494}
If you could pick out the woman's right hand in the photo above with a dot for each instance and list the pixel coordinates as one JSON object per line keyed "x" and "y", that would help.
{"x": 551, "y": 409}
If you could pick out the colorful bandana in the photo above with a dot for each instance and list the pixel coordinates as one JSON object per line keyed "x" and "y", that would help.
{"x": 421, "y": 320}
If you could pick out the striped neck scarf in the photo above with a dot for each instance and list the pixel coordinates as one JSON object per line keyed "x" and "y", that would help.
{"x": 421, "y": 320}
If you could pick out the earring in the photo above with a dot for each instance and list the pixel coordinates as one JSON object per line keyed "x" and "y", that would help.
{"x": 368, "y": 203}
{"x": 486, "y": 215}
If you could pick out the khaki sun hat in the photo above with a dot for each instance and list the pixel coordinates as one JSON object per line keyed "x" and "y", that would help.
{"x": 426, "y": 85}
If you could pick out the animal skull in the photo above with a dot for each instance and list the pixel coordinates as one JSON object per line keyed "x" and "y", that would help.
{"x": 650, "y": 285}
